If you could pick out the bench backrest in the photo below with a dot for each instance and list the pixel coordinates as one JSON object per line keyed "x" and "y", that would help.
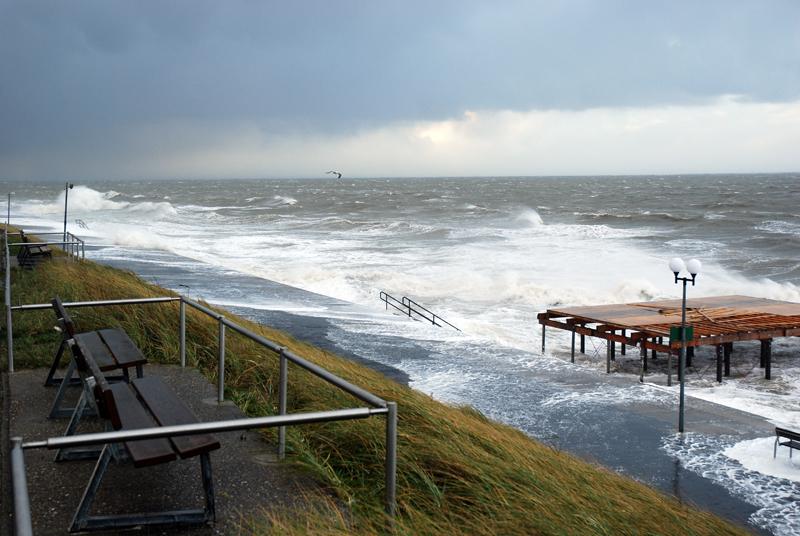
{"x": 64, "y": 320}
{"x": 788, "y": 434}
{"x": 101, "y": 389}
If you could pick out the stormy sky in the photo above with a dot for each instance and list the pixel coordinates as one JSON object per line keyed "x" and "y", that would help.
{"x": 204, "y": 89}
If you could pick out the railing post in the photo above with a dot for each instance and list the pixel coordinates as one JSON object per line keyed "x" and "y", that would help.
{"x": 282, "y": 390}
{"x": 182, "y": 332}
{"x": 221, "y": 365}
{"x": 391, "y": 458}
{"x": 9, "y": 322}
{"x": 22, "y": 507}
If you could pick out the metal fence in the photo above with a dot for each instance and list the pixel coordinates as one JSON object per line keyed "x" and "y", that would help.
{"x": 378, "y": 406}
{"x": 72, "y": 245}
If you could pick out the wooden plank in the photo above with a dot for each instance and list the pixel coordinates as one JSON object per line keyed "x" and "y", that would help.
{"x": 169, "y": 410}
{"x": 133, "y": 416}
{"x": 97, "y": 348}
{"x": 125, "y": 352}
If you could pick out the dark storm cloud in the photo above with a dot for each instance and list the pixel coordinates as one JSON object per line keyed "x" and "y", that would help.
{"x": 77, "y": 75}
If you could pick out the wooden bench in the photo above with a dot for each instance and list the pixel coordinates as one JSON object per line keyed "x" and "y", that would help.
{"x": 142, "y": 403}
{"x": 29, "y": 256}
{"x": 791, "y": 440}
{"x": 112, "y": 349}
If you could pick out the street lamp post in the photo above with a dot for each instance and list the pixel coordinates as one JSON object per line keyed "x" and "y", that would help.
{"x": 67, "y": 187}
{"x": 693, "y": 267}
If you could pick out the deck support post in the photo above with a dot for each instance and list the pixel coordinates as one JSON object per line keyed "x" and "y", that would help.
{"x": 543, "y": 337}
{"x": 622, "y": 346}
{"x": 572, "y": 349}
{"x": 762, "y": 358}
{"x": 719, "y": 363}
{"x": 609, "y": 350}
{"x": 613, "y": 346}
{"x": 642, "y": 362}
{"x": 583, "y": 343}
{"x": 644, "y": 356}
{"x": 669, "y": 367}
{"x": 767, "y": 345}
{"x": 728, "y": 347}
{"x": 689, "y": 355}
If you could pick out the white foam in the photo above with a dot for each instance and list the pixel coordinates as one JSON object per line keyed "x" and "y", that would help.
{"x": 610, "y": 395}
{"x": 85, "y": 201}
{"x": 776, "y": 498}
{"x": 757, "y": 455}
{"x": 779, "y": 227}
{"x": 530, "y": 217}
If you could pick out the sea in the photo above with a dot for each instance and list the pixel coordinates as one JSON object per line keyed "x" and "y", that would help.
{"x": 487, "y": 254}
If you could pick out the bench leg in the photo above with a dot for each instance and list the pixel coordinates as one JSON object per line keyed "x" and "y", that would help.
{"x": 56, "y": 410}
{"x": 208, "y": 487}
{"x": 82, "y": 521}
{"x": 56, "y": 361}
{"x": 82, "y": 513}
{"x": 51, "y": 379}
{"x": 76, "y": 453}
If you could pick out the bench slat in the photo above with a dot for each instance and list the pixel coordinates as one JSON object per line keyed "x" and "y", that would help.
{"x": 169, "y": 410}
{"x": 123, "y": 348}
{"x": 788, "y": 434}
{"x": 133, "y": 416}
{"x": 100, "y": 352}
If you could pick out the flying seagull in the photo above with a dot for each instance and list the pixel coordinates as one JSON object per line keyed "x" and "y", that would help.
{"x": 338, "y": 175}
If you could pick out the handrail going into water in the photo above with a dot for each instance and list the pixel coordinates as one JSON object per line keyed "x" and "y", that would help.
{"x": 407, "y": 306}
{"x": 434, "y": 316}
{"x": 388, "y": 299}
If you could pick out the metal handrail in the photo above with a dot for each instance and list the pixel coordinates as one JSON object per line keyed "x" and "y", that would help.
{"x": 388, "y": 299}
{"x": 409, "y": 302}
{"x": 407, "y": 306}
{"x": 53, "y": 243}
{"x": 131, "y": 301}
{"x": 233, "y": 425}
{"x": 75, "y": 243}
{"x": 380, "y": 406}
{"x": 22, "y": 511}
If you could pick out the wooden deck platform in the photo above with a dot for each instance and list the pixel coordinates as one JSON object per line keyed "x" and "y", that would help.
{"x": 717, "y": 321}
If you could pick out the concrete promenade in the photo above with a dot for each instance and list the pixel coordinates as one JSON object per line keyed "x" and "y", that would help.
{"x": 247, "y": 477}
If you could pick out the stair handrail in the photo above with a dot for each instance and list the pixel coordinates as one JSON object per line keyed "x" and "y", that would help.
{"x": 388, "y": 299}
{"x": 408, "y": 302}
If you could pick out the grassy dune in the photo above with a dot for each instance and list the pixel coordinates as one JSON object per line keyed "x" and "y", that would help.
{"x": 458, "y": 472}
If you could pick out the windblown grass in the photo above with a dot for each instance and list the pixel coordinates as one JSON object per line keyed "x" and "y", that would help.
{"x": 458, "y": 472}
